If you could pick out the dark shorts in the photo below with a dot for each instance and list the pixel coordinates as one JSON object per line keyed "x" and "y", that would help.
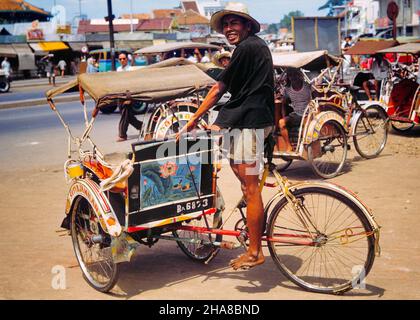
{"x": 293, "y": 120}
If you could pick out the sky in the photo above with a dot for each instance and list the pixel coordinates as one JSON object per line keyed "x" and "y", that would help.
{"x": 265, "y": 11}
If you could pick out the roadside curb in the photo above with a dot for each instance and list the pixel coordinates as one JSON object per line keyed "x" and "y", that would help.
{"x": 37, "y": 102}
{"x": 34, "y": 83}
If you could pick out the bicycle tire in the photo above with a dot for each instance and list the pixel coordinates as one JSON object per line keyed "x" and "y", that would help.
{"x": 291, "y": 271}
{"x": 399, "y": 126}
{"x": 80, "y": 211}
{"x": 373, "y": 118}
{"x": 192, "y": 251}
{"x": 321, "y": 166}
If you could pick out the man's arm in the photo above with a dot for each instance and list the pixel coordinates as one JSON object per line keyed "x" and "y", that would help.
{"x": 214, "y": 95}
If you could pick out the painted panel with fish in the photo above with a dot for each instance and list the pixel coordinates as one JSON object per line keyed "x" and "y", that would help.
{"x": 168, "y": 181}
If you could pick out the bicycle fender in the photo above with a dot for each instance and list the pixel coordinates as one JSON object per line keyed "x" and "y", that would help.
{"x": 89, "y": 190}
{"x": 317, "y": 123}
{"x": 353, "y": 122}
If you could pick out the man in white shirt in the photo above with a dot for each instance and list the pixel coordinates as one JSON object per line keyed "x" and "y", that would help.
{"x": 62, "y": 65}
{"x": 124, "y": 63}
{"x": 5, "y": 66}
{"x": 127, "y": 113}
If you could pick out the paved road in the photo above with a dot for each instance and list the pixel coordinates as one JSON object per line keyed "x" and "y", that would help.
{"x": 33, "y": 149}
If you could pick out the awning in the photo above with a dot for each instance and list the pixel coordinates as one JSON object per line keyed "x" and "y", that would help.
{"x": 413, "y": 48}
{"x": 6, "y": 50}
{"x": 133, "y": 45}
{"x": 77, "y": 46}
{"x": 40, "y": 47}
{"x": 22, "y": 48}
{"x": 25, "y": 56}
{"x": 370, "y": 47}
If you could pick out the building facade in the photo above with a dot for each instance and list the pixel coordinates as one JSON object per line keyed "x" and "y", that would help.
{"x": 408, "y": 18}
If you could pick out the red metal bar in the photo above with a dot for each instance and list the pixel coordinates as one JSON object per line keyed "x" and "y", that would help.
{"x": 298, "y": 243}
{"x": 210, "y": 231}
{"x": 135, "y": 229}
{"x": 400, "y": 119}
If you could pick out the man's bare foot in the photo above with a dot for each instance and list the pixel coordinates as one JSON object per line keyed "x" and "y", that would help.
{"x": 247, "y": 261}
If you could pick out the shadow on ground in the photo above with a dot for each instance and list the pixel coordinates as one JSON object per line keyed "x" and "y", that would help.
{"x": 166, "y": 266}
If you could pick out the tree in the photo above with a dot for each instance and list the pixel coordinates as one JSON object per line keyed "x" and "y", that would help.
{"x": 330, "y": 4}
{"x": 286, "y": 22}
{"x": 272, "y": 28}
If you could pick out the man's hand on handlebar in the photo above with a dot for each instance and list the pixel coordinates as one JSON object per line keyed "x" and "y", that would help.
{"x": 187, "y": 128}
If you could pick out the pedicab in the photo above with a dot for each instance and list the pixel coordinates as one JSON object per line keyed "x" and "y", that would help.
{"x": 402, "y": 91}
{"x": 162, "y": 189}
{"x": 333, "y": 113}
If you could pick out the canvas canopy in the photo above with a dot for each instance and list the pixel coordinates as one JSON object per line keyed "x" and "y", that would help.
{"x": 370, "y": 47}
{"x": 314, "y": 60}
{"x": 180, "y": 62}
{"x": 147, "y": 84}
{"x": 167, "y": 47}
{"x": 413, "y": 48}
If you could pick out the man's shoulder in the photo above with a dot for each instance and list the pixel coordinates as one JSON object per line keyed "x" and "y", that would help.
{"x": 252, "y": 42}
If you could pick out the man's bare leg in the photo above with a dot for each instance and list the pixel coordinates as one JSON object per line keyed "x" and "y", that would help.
{"x": 367, "y": 89}
{"x": 378, "y": 89}
{"x": 255, "y": 216}
{"x": 285, "y": 134}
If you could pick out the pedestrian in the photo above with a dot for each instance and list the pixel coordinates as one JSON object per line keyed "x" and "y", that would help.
{"x": 127, "y": 113}
{"x": 347, "y": 58}
{"x": 73, "y": 67}
{"x": 5, "y": 66}
{"x": 250, "y": 112}
{"x": 124, "y": 63}
{"x": 49, "y": 68}
{"x": 62, "y": 66}
{"x": 91, "y": 65}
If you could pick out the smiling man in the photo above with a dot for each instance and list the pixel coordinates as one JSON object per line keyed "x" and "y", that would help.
{"x": 248, "y": 115}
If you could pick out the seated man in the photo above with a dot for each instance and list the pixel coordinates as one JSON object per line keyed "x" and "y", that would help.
{"x": 300, "y": 94}
{"x": 380, "y": 68}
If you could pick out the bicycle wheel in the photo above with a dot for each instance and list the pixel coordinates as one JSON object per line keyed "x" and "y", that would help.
{"x": 328, "y": 153}
{"x": 338, "y": 251}
{"x": 371, "y": 132}
{"x": 195, "y": 251}
{"x": 92, "y": 247}
{"x": 175, "y": 118}
{"x": 402, "y": 127}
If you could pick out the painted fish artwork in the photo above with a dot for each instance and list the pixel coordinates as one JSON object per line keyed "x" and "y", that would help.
{"x": 171, "y": 181}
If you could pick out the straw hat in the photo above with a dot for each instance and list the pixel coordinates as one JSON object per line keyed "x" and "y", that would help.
{"x": 235, "y": 8}
{"x": 219, "y": 56}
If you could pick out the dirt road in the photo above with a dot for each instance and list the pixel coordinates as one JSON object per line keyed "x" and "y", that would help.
{"x": 32, "y": 208}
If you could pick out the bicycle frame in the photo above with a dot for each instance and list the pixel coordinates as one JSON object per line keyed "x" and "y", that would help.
{"x": 284, "y": 187}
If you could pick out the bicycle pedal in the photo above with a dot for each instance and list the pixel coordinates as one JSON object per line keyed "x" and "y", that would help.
{"x": 242, "y": 204}
{"x": 212, "y": 256}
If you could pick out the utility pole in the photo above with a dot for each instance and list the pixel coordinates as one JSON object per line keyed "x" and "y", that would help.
{"x": 131, "y": 16}
{"x": 110, "y": 18}
{"x": 404, "y": 33}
